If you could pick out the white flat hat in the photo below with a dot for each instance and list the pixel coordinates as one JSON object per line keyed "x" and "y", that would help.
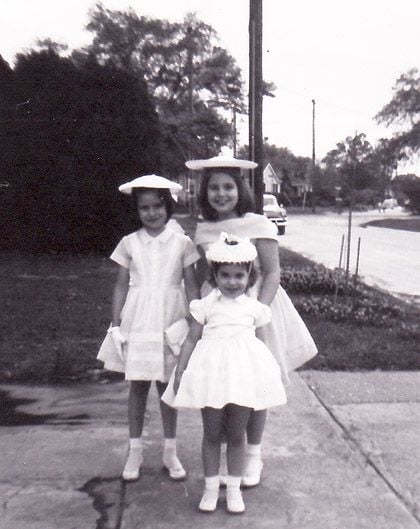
{"x": 152, "y": 181}
{"x": 224, "y": 159}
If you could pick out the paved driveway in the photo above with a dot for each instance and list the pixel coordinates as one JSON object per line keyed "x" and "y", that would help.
{"x": 389, "y": 259}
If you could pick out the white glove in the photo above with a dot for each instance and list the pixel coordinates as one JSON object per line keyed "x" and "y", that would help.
{"x": 175, "y": 335}
{"x": 118, "y": 339}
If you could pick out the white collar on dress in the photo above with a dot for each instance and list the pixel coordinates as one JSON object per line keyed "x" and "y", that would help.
{"x": 162, "y": 237}
{"x": 240, "y": 299}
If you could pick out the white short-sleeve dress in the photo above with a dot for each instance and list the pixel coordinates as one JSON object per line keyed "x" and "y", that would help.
{"x": 155, "y": 300}
{"x": 288, "y": 338}
{"x": 229, "y": 364}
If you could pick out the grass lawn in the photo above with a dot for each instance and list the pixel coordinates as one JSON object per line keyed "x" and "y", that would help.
{"x": 407, "y": 224}
{"x": 56, "y": 310}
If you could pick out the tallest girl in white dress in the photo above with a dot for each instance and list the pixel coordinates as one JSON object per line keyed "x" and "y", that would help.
{"x": 227, "y": 205}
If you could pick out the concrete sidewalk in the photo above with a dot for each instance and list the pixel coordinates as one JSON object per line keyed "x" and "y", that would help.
{"x": 343, "y": 454}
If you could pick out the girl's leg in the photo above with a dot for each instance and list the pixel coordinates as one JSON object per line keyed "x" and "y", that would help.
{"x": 255, "y": 426}
{"x": 213, "y": 424}
{"x": 236, "y": 421}
{"x": 253, "y": 464}
{"x": 212, "y": 435}
{"x": 137, "y": 399}
{"x": 169, "y": 415}
{"x": 169, "y": 421}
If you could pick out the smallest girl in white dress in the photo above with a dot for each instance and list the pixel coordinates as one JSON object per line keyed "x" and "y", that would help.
{"x": 224, "y": 369}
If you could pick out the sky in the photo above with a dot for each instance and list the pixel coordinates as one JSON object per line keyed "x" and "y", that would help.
{"x": 344, "y": 55}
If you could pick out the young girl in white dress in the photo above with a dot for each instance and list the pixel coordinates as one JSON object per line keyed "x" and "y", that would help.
{"x": 224, "y": 369}
{"x": 227, "y": 205}
{"x": 148, "y": 297}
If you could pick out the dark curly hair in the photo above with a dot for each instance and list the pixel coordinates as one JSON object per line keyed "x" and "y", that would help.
{"x": 164, "y": 196}
{"x": 245, "y": 199}
{"x": 214, "y": 267}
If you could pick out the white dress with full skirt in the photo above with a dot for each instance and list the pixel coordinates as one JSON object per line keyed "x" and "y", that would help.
{"x": 154, "y": 301}
{"x": 229, "y": 364}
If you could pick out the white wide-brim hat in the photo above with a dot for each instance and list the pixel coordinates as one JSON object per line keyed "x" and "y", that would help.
{"x": 224, "y": 159}
{"x": 231, "y": 249}
{"x": 150, "y": 181}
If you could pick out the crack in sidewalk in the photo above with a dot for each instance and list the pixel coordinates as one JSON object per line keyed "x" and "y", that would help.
{"x": 94, "y": 488}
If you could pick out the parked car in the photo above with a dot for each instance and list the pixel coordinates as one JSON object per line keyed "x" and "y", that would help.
{"x": 275, "y": 212}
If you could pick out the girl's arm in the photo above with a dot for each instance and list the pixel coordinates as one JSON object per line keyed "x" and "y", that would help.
{"x": 192, "y": 291}
{"x": 201, "y": 267}
{"x": 119, "y": 294}
{"x": 268, "y": 256}
{"x": 194, "y": 334}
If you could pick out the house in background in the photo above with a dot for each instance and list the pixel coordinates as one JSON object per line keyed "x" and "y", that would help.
{"x": 272, "y": 181}
{"x": 300, "y": 184}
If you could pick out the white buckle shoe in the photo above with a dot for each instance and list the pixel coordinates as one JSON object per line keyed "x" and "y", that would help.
{"x": 252, "y": 472}
{"x": 234, "y": 501}
{"x": 208, "y": 501}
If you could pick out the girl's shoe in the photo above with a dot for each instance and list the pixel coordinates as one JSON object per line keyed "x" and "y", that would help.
{"x": 173, "y": 465}
{"x": 208, "y": 501}
{"x": 132, "y": 465}
{"x": 235, "y": 503}
{"x": 252, "y": 471}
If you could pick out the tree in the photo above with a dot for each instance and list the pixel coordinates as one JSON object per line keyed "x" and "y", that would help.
{"x": 404, "y": 111}
{"x": 407, "y": 188}
{"x": 80, "y": 130}
{"x": 350, "y": 164}
{"x": 183, "y": 69}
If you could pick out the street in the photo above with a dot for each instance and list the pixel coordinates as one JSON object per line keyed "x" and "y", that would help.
{"x": 389, "y": 258}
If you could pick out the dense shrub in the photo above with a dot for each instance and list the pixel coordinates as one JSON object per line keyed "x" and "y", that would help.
{"x": 362, "y": 310}
{"x": 312, "y": 280}
{"x": 321, "y": 291}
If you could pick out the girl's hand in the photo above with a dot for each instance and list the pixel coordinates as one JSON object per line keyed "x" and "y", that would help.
{"x": 118, "y": 340}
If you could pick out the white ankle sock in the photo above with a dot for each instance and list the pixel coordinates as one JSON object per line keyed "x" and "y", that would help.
{"x": 170, "y": 444}
{"x": 169, "y": 451}
{"x": 253, "y": 450}
{"x": 136, "y": 442}
{"x": 212, "y": 483}
{"x": 233, "y": 482}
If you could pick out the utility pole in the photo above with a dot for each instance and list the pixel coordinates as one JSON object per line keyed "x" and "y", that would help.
{"x": 234, "y": 131}
{"x": 313, "y": 158}
{"x": 190, "y": 70}
{"x": 255, "y": 100}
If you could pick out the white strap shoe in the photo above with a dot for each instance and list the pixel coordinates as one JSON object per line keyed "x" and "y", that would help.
{"x": 173, "y": 465}
{"x": 252, "y": 471}
{"x": 235, "y": 502}
{"x": 208, "y": 501}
